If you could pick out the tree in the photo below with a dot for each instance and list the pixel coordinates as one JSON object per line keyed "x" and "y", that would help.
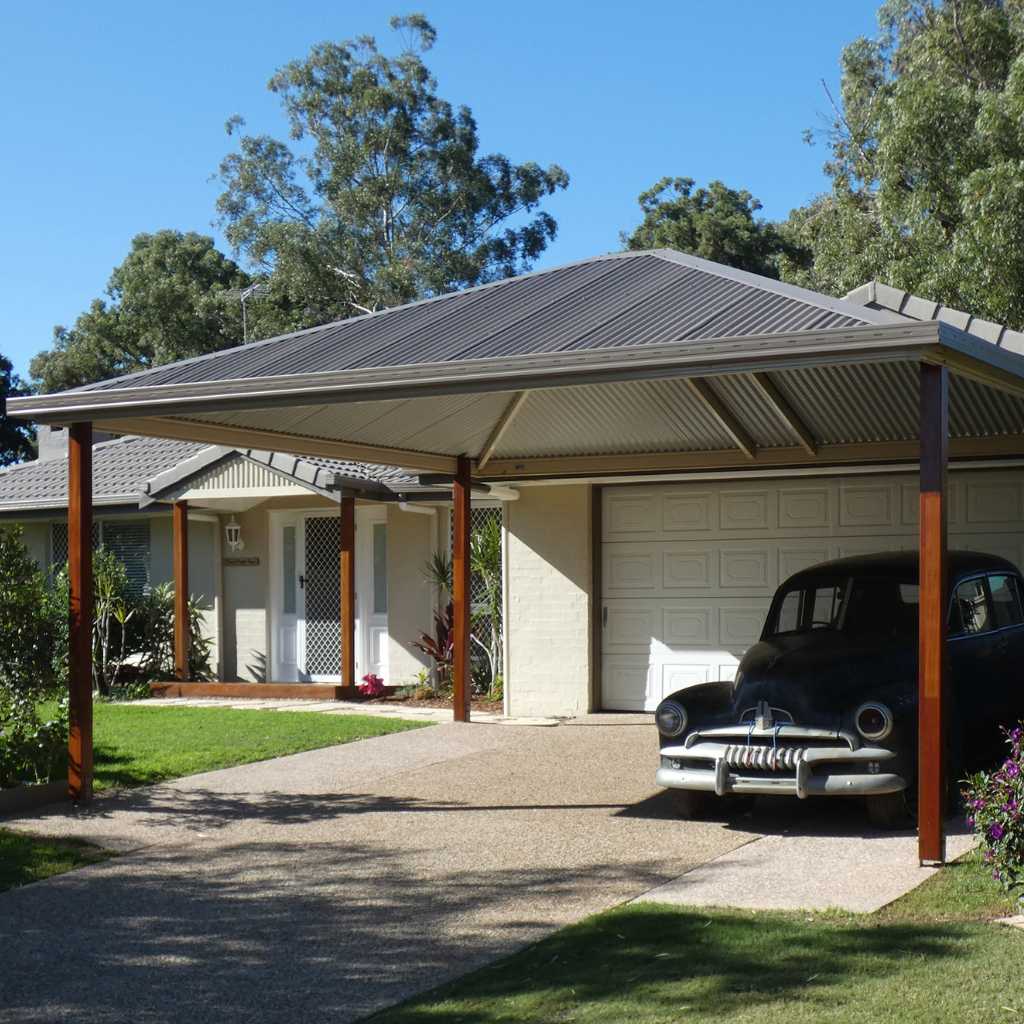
{"x": 17, "y": 440}
{"x": 174, "y": 296}
{"x": 380, "y": 197}
{"x": 926, "y": 161}
{"x": 717, "y": 223}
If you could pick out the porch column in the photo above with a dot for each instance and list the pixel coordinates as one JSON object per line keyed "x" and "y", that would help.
{"x": 182, "y": 640}
{"x": 461, "y": 681}
{"x": 347, "y": 569}
{"x": 932, "y": 610}
{"x": 81, "y": 611}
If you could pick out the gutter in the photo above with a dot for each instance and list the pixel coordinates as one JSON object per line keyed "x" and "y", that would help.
{"x": 909, "y": 341}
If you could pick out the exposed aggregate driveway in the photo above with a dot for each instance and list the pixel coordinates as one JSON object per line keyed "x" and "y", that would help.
{"x": 324, "y": 885}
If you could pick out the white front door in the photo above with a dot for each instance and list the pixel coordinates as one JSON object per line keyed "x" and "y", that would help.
{"x": 305, "y": 607}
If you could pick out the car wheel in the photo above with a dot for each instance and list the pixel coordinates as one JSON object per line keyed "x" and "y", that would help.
{"x": 890, "y": 811}
{"x": 691, "y": 804}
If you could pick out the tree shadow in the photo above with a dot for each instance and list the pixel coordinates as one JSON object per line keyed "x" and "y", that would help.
{"x": 310, "y": 931}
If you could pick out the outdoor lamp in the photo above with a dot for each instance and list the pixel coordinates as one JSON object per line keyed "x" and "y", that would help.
{"x": 233, "y": 533}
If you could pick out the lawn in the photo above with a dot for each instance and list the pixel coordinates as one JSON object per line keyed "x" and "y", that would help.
{"x": 136, "y": 745}
{"x": 932, "y": 956}
{"x": 27, "y": 858}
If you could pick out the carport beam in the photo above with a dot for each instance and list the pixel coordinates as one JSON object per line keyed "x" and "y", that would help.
{"x": 932, "y": 685}
{"x": 461, "y": 684}
{"x": 182, "y": 640}
{"x": 80, "y": 612}
{"x": 347, "y": 569}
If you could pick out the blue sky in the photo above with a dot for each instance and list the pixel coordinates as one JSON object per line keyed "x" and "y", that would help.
{"x": 113, "y": 122}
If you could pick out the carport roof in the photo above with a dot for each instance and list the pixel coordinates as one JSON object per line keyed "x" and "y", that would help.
{"x": 633, "y": 362}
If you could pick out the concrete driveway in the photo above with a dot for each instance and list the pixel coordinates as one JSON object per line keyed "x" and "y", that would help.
{"x": 325, "y": 885}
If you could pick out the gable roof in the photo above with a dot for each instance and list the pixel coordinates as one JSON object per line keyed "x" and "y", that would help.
{"x": 620, "y": 299}
{"x": 884, "y": 298}
{"x": 127, "y": 468}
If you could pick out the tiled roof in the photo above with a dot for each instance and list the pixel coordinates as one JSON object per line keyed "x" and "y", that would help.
{"x": 123, "y": 467}
{"x": 119, "y": 469}
{"x": 878, "y": 296}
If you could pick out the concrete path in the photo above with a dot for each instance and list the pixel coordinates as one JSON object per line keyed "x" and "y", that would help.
{"x": 809, "y": 868}
{"x": 321, "y": 886}
{"x": 344, "y": 707}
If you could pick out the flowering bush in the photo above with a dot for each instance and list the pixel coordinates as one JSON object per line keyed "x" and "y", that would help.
{"x": 371, "y": 686}
{"x": 995, "y": 807}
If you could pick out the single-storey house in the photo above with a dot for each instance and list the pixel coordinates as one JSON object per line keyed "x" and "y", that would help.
{"x": 681, "y": 436}
{"x": 263, "y": 547}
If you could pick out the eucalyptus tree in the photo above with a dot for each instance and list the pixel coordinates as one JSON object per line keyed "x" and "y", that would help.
{"x": 379, "y": 196}
{"x": 926, "y": 161}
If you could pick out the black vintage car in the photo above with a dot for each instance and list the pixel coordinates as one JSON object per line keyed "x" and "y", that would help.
{"x": 826, "y": 702}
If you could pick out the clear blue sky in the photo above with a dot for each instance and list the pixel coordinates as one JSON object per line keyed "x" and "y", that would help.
{"x": 113, "y": 121}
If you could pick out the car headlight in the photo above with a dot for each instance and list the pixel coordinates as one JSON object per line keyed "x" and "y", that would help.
{"x": 671, "y": 718}
{"x": 874, "y": 721}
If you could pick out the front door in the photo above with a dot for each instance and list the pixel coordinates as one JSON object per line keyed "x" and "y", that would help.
{"x": 306, "y": 629}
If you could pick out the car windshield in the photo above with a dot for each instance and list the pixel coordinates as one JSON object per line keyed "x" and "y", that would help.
{"x": 851, "y": 605}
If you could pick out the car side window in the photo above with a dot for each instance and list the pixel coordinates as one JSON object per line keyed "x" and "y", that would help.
{"x": 788, "y": 620}
{"x": 826, "y": 606}
{"x": 972, "y": 608}
{"x": 1006, "y": 601}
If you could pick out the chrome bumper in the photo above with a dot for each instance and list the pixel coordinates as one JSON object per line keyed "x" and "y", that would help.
{"x": 810, "y": 776}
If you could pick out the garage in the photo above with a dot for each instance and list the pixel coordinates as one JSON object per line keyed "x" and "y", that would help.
{"x": 688, "y": 569}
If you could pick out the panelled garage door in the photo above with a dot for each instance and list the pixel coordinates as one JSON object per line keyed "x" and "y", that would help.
{"x": 688, "y": 570}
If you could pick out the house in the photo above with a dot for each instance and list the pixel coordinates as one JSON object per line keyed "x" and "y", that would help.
{"x": 680, "y": 434}
{"x": 263, "y": 547}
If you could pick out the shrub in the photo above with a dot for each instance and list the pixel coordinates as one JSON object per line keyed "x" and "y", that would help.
{"x": 995, "y": 805}
{"x": 440, "y": 646}
{"x": 28, "y": 624}
{"x": 371, "y": 686}
{"x": 31, "y": 749}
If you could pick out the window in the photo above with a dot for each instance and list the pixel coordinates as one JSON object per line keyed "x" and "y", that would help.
{"x": 380, "y": 568}
{"x": 972, "y": 608}
{"x": 126, "y": 539}
{"x": 1006, "y": 604}
{"x": 826, "y": 606}
{"x": 789, "y": 613}
{"x": 288, "y": 570}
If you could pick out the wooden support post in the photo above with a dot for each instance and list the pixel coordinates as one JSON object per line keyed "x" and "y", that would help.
{"x": 182, "y": 639}
{"x": 347, "y": 570}
{"x": 933, "y": 601}
{"x": 81, "y": 611}
{"x": 461, "y": 671}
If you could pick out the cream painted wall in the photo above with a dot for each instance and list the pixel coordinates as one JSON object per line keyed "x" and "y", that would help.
{"x": 36, "y": 537}
{"x": 411, "y": 538}
{"x": 203, "y": 580}
{"x": 550, "y": 582}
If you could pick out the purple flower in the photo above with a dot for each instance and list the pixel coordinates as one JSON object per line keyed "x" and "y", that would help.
{"x": 996, "y": 832}
{"x": 970, "y": 823}
{"x": 1012, "y": 769}
{"x": 1017, "y": 735}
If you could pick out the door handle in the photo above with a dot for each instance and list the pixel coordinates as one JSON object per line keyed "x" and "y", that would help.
{"x": 302, "y": 582}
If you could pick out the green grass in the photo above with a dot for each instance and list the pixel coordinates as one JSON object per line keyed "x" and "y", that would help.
{"x": 135, "y": 745}
{"x": 930, "y": 957}
{"x": 27, "y": 858}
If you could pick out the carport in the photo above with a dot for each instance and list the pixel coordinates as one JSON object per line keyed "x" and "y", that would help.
{"x": 634, "y": 365}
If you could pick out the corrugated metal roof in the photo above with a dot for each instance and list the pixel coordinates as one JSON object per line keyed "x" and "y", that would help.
{"x": 122, "y": 468}
{"x": 622, "y": 299}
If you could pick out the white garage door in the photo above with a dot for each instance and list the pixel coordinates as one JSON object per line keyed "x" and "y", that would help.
{"x": 689, "y": 569}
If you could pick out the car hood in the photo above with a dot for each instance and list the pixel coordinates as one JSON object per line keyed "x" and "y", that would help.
{"x": 822, "y": 674}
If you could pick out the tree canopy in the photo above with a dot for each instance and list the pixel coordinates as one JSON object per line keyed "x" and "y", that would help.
{"x": 717, "y": 223}
{"x": 926, "y": 161}
{"x": 380, "y": 196}
{"x": 174, "y": 296}
{"x": 17, "y": 440}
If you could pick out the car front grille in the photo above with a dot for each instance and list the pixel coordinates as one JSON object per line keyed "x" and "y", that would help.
{"x": 763, "y": 757}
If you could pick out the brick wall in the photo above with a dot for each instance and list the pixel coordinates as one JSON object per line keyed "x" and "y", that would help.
{"x": 549, "y": 600}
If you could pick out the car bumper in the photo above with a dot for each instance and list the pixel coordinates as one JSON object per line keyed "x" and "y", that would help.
{"x": 822, "y": 772}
